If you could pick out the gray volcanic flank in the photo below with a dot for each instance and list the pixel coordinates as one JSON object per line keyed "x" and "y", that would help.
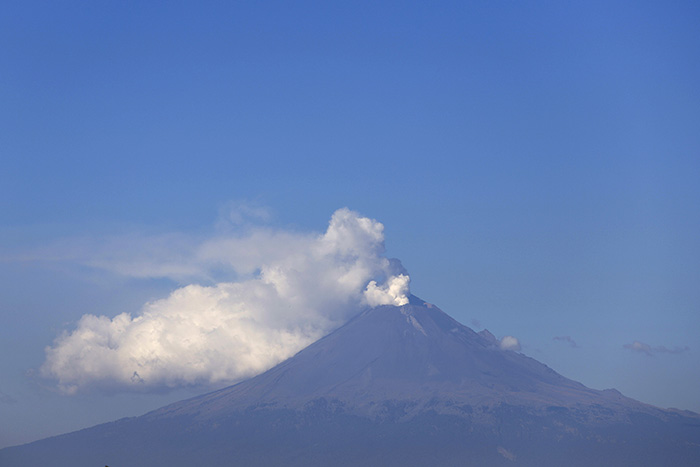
{"x": 394, "y": 386}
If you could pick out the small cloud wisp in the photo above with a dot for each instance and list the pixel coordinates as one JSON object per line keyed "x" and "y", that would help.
{"x": 566, "y": 339}
{"x": 641, "y": 347}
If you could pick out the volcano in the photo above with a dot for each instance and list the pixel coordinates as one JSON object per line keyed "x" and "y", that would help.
{"x": 405, "y": 386}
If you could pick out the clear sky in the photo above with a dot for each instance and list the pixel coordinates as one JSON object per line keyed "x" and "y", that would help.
{"x": 536, "y": 167}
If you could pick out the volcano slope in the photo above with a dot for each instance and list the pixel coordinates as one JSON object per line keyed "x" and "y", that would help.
{"x": 394, "y": 386}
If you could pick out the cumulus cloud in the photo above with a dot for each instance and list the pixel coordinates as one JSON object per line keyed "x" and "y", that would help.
{"x": 566, "y": 339}
{"x": 509, "y": 343}
{"x": 298, "y": 287}
{"x": 641, "y": 347}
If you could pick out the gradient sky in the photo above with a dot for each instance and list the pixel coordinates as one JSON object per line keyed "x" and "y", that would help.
{"x": 536, "y": 166}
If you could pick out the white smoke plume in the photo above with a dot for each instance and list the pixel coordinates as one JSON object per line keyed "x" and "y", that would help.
{"x": 300, "y": 288}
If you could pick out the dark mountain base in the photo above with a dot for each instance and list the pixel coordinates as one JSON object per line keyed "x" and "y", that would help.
{"x": 323, "y": 434}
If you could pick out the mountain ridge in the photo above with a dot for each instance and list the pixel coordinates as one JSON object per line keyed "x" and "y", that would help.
{"x": 485, "y": 372}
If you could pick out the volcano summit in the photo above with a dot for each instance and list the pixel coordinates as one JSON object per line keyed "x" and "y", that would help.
{"x": 396, "y": 385}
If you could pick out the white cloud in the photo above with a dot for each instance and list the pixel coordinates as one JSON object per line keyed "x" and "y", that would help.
{"x": 300, "y": 287}
{"x": 509, "y": 343}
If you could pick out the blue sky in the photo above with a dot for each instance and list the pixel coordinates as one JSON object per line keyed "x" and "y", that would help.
{"x": 535, "y": 166}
